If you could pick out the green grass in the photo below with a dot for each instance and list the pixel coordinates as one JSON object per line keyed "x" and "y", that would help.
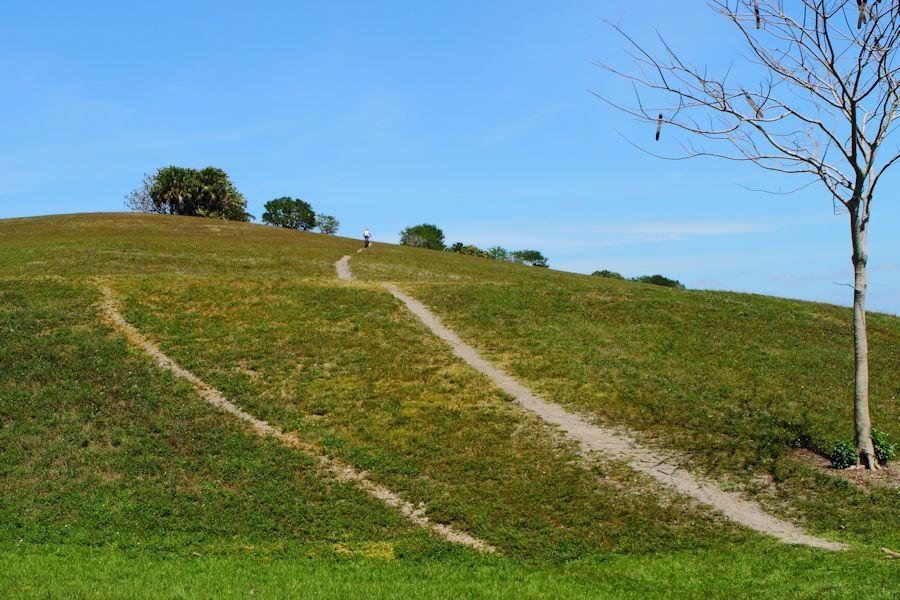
{"x": 733, "y": 380}
{"x": 347, "y": 370}
{"x": 100, "y": 448}
{"x": 116, "y": 480}
{"x": 725, "y": 573}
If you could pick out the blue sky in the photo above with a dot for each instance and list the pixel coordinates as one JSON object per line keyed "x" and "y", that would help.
{"x": 474, "y": 116}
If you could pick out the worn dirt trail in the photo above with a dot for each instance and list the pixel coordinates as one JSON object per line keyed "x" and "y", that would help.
{"x": 611, "y": 442}
{"x": 339, "y": 470}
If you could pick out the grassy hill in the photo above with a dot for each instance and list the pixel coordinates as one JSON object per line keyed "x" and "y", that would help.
{"x": 118, "y": 480}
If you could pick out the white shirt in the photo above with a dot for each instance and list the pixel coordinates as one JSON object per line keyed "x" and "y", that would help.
{"x": 366, "y": 233}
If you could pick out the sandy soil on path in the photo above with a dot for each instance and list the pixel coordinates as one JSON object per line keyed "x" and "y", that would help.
{"x": 610, "y": 442}
{"x": 338, "y": 469}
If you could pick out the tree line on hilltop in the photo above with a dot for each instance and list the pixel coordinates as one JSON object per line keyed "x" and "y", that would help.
{"x": 209, "y": 192}
{"x": 431, "y": 236}
{"x": 654, "y": 279}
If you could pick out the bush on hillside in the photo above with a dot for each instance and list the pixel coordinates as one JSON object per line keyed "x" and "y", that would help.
{"x": 498, "y": 253}
{"x": 659, "y": 280}
{"x": 468, "y": 250}
{"x": 885, "y": 449}
{"x": 291, "y": 213}
{"x": 529, "y": 257}
{"x": 843, "y": 454}
{"x": 327, "y": 224}
{"x": 606, "y": 273}
{"x": 431, "y": 236}
{"x": 190, "y": 192}
{"x": 140, "y": 200}
{"x": 423, "y": 236}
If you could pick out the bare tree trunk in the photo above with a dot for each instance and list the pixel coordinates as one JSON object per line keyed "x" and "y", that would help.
{"x": 861, "y": 420}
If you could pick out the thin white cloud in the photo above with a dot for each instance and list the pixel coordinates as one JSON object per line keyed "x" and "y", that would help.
{"x": 512, "y": 130}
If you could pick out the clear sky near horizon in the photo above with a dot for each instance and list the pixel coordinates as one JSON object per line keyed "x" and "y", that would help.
{"x": 475, "y": 116}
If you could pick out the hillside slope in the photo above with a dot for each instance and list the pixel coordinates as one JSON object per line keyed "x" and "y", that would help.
{"x": 107, "y": 458}
{"x": 738, "y": 381}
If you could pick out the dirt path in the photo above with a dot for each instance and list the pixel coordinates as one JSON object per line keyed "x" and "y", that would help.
{"x": 338, "y": 469}
{"x": 343, "y": 269}
{"x": 613, "y": 443}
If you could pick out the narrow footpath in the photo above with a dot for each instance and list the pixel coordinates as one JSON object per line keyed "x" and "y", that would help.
{"x": 339, "y": 470}
{"x": 610, "y": 442}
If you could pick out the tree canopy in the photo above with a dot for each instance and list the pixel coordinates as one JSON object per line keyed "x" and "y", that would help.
{"x": 423, "y": 236}
{"x": 291, "y": 213}
{"x": 498, "y": 253}
{"x": 522, "y": 257}
{"x": 190, "y": 192}
{"x": 529, "y": 257}
{"x": 327, "y": 224}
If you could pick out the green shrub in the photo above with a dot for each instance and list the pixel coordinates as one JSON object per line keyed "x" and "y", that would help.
{"x": 659, "y": 280}
{"x": 423, "y": 236}
{"x": 608, "y": 273}
{"x": 885, "y": 449}
{"x": 468, "y": 250}
{"x": 843, "y": 454}
{"x": 498, "y": 253}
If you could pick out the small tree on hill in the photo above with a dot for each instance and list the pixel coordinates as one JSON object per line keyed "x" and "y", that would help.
{"x": 291, "y": 213}
{"x": 824, "y": 106}
{"x": 608, "y": 273}
{"x": 190, "y": 192}
{"x": 498, "y": 253}
{"x": 529, "y": 257}
{"x": 141, "y": 201}
{"x": 327, "y": 224}
{"x": 423, "y": 236}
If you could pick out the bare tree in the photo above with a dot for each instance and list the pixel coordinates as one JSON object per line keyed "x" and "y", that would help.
{"x": 140, "y": 200}
{"x": 824, "y": 108}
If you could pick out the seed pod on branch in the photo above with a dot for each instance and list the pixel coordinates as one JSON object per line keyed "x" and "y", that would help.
{"x": 756, "y": 109}
{"x": 863, "y": 13}
{"x": 756, "y": 12}
{"x": 659, "y": 121}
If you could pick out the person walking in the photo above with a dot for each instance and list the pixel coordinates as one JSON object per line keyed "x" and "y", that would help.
{"x": 367, "y": 235}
